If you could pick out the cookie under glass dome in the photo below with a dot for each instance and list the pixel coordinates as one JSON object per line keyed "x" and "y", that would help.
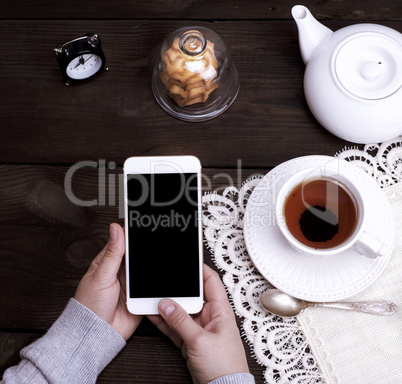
{"x": 194, "y": 78}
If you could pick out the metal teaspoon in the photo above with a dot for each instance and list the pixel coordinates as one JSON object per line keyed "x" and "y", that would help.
{"x": 282, "y": 304}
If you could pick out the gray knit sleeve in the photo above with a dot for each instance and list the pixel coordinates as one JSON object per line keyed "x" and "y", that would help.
{"x": 235, "y": 378}
{"x": 76, "y": 349}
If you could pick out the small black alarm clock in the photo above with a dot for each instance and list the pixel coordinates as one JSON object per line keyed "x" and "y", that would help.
{"x": 81, "y": 58}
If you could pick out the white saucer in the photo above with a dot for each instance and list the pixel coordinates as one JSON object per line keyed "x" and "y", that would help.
{"x": 313, "y": 277}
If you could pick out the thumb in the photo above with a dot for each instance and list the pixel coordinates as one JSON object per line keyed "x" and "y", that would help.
{"x": 114, "y": 253}
{"x": 178, "y": 320}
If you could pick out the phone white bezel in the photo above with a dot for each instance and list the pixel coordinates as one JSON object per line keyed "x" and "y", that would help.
{"x": 163, "y": 164}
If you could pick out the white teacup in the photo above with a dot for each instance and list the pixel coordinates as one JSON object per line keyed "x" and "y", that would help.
{"x": 321, "y": 211}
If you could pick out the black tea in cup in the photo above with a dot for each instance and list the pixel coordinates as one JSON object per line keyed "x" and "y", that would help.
{"x": 321, "y": 213}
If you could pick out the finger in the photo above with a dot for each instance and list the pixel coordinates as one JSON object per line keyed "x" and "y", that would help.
{"x": 114, "y": 253}
{"x": 97, "y": 260}
{"x": 121, "y": 276}
{"x": 178, "y": 320}
{"x": 213, "y": 287}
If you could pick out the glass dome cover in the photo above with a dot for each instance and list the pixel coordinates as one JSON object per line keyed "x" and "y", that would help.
{"x": 194, "y": 78}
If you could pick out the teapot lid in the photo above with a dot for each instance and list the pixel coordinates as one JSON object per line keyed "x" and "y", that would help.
{"x": 369, "y": 65}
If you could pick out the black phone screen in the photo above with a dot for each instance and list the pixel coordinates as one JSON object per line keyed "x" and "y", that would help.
{"x": 163, "y": 235}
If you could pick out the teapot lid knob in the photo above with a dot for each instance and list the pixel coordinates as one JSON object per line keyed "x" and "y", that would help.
{"x": 371, "y": 70}
{"x": 369, "y": 65}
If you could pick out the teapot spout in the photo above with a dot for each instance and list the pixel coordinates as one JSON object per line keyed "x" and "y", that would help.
{"x": 311, "y": 32}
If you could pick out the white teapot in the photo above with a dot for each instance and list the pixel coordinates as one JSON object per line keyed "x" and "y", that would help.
{"x": 353, "y": 78}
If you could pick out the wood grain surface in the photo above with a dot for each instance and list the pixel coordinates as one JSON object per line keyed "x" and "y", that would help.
{"x": 115, "y": 116}
{"x": 201, "y": 9}
{"x": 62, "y": 145}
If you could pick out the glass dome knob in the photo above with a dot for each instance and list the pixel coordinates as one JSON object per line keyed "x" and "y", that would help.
{"x": 192, "y": 43}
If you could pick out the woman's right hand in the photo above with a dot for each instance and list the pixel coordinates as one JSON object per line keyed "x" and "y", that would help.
{"x": 210, "y": 341}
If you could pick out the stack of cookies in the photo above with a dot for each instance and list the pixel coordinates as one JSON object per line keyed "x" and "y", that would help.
{"x": 190, "y": 70}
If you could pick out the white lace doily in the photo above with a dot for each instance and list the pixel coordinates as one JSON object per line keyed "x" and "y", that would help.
{"x": 277, "y": 343}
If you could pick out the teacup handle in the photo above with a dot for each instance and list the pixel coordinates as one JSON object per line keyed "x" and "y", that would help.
{"x": 367, "y": 245}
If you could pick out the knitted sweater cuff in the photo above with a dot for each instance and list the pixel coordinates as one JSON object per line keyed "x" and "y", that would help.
{"x": 77, "y": 347}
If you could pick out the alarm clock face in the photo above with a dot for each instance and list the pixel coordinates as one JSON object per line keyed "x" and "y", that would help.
{"x": 84, "y": 66}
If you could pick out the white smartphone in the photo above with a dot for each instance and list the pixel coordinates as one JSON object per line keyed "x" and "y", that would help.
{"x": 164, "y": 249}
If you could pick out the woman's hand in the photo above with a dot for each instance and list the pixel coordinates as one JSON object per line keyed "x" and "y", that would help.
{"x": 102, "y": 289}
{"x": 210, "y": 341}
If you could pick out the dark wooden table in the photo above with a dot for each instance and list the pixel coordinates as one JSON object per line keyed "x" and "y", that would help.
{"x": 46, "y": 241}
